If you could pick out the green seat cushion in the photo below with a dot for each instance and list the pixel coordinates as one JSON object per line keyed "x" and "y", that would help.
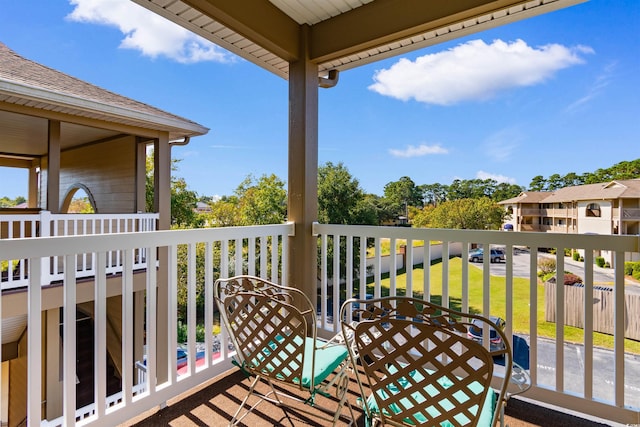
{"x": 486, "y": 415}
{"x": 327, "y": 360}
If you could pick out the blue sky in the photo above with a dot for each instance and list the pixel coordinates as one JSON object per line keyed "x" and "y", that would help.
{"x": 557, "y": 93}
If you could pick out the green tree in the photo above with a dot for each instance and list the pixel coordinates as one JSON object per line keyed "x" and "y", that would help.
{"x": 504, "y": 191}
{"x": 402, "y": 194}
{"x": 554, "y": 182}
{"x": 262, "y": 201}
{"x": 6, "y": 202}
{"x": 538, "y": 183}
{"x": 572, "y": 179}
{"x": 183, "y": 205}
{"x": 342, "y": 201}
{"x": 224, "y": 213}
{"x": 183, "y": 200}
{"x": 339, "y": 195}
{"x": 433, "y": 194}
{"x": 476, "y": 214}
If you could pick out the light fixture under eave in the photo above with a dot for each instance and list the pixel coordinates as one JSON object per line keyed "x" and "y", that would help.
{"x": 330, "y": 81}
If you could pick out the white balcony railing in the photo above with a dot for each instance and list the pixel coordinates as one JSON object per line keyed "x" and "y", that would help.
{"x": 45, "y": 224}
{"x": 602, "y": 383}
{"x": 204, "y": 254}
{"x": 196, "y": 257}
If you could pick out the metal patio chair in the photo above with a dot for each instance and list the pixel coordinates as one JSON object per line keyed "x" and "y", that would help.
{"x": 423, "y": 368}
{"x": 273, "y": 329}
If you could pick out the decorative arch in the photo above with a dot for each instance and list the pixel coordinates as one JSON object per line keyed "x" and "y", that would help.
{"x": 593, "y": 210}
{"x": 72, "y": 191}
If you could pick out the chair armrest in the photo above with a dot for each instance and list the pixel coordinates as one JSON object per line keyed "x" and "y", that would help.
{"x": 520, "y": 378}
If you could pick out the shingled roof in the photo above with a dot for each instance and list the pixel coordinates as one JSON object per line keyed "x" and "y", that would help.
{"x": 618, "y": 189}
{"x": 527, "y": 197}
{"x": 26, "y": 82}
{"x": 622, "y": 189}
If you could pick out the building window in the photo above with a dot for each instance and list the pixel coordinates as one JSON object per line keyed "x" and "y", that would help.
{"x": 593, "y": 209}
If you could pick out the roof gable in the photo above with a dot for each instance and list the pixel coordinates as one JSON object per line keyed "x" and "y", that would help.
{"x": 25, "y": 82}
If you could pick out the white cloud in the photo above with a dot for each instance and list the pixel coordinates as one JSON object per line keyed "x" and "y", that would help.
{"x": 147, "y": 32}
{"x": 496, "y": 177}
{"x": 602, "y": 81}
{"x": 503, "y": 145}
{"x": 474, "y": 71}
{"x": 419, "y": 151}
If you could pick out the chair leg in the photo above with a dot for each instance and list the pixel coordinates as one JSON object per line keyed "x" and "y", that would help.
{"x": 342, "y": 388}
{"x": 236, "y": 418}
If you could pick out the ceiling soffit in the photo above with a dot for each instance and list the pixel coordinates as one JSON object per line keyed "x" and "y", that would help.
{"x": 343, "y": 34}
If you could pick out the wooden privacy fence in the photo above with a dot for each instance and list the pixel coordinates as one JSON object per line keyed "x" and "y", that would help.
{"x": 603, "y": 303}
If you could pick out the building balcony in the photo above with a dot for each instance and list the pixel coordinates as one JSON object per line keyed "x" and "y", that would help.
{"x": 627, "y": 214}
{"x": 576, "y": 370}
{"x": 15, "y": 225}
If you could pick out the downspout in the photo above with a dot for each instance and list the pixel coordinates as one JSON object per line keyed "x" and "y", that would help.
{"x": 181, "y": 143}
{"x": 330, "y": 81}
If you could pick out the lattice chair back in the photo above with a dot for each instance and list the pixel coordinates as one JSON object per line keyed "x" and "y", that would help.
{"x": 273, "y": 329}
{"x": 420, "y": 365}
{"x": 268, "y": 331}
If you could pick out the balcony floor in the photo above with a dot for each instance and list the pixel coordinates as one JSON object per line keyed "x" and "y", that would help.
{"x": 214, "y": 403}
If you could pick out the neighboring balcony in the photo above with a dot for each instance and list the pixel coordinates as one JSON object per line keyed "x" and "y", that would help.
{"x": 46, "y": 224}
{"x": 602, "y": 382}
{"x": 627, "y": 214}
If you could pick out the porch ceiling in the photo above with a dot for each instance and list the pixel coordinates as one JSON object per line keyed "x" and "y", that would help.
{"x": 343, "y": 33}
{"x": 20, "y": 133}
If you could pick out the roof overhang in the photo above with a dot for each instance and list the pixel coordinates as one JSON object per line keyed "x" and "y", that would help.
{"x": 342, "y": 35}
{"x": 43, "y": 99}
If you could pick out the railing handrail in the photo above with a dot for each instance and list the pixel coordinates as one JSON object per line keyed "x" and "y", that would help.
{"x": 58, "y": 245}
{"x": 338, "y": 283}
{"x": 257, "y": 250}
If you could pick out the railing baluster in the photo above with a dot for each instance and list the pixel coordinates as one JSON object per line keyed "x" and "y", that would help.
{"x": 191, "y": 307}
{"x": 349, "y": 271}
{"x": 69, "y": 347}
{"x": 335, "y": 303}
{"x": 618, "y": 328}
{"x": 100, "y": 328}
{"x": 34, "y": 340}
{"x": 408, "y": 266}
{"x": 393, "y": 269}
{"x": 588, "y": 324}
{"x": 445, "y": 274}
{"x": 377, "y": 270}
{"x": 426, "y": 286}
{"x": 323, "y": 281}
{"x": 560, "y": 318}
{"x": 251, "y": 256}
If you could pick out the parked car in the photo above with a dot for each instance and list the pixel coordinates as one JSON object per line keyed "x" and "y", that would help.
{"x": 475, "y": 332}
{"x": 497, "y": 255}
{"x": 181, "y": 358}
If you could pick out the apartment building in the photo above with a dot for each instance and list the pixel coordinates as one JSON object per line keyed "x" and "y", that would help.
{"x": 605, "y": 208}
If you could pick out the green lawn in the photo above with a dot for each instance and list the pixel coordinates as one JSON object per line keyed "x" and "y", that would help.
{"x": 498, "y": 307}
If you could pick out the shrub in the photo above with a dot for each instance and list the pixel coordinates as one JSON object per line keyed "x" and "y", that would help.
{"x": 581, "y": 259}
{"x": 628, "y": 268}
{"x": 576, "y": 256}
{"x": 546, "y": 266}
{"x": 600, "y": 261}
{"x": 182, "y": 332}
{"x": 636, "y": 271}
{"x": 567, "y": 252}
{"x": 607, "y": 265}
{"x": 571, "y": 279}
